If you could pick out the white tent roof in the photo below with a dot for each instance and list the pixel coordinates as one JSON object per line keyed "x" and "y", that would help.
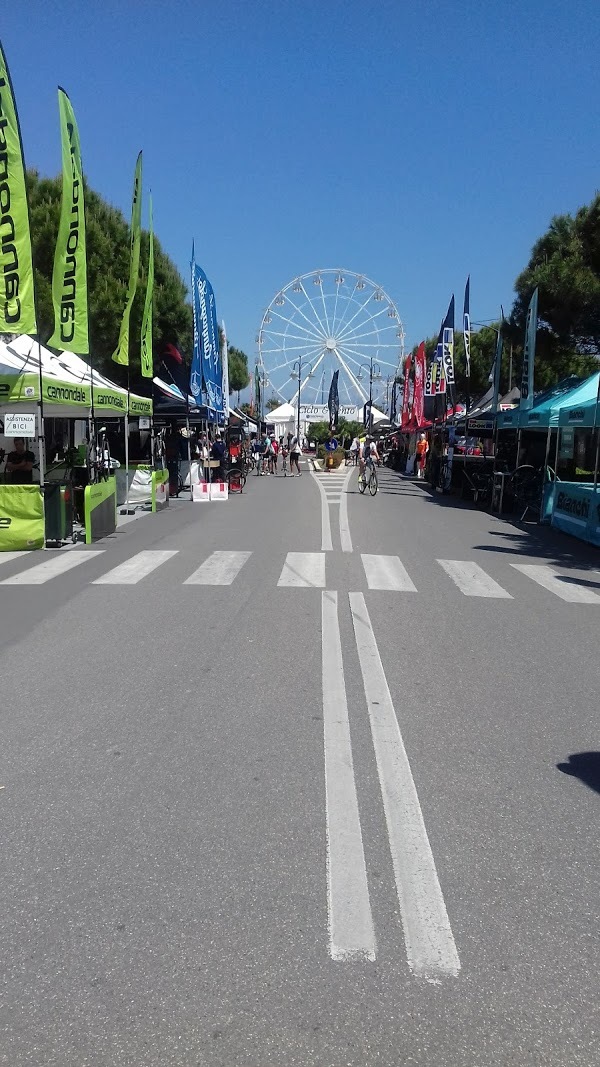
{"x": 284, "y": 413}
{"x": 25, "y": 355}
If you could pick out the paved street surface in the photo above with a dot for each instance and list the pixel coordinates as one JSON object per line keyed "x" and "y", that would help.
{"x": 280, "y": 787}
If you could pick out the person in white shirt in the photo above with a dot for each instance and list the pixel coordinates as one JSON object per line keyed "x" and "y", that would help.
{"x": 295, "y": 453}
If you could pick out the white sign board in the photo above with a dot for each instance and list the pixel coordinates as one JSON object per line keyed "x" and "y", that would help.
{"x": 320, "y": 413}
{"x": 144, "y": 422}
{"x": 22, "y": 425}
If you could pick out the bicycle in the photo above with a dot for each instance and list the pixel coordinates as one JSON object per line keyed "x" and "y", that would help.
{"x": 236, "y": 478}
{"x": 371, "y": 481}
{"x": 527, "y": 483}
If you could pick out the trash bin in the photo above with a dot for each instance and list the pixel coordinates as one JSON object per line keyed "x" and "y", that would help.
{"x": 58, "y": 507}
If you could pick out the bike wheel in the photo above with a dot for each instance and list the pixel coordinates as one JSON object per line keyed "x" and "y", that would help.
{"x": 362, "y": 485}
{"x": 373, "y": 486}
{"x": 236, "y": 480}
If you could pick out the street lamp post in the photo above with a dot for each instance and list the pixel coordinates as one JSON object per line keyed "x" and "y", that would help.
{"x": 298, "y": 363}
{"x": 374, "y": 375}
{"x": 263, "y": 382}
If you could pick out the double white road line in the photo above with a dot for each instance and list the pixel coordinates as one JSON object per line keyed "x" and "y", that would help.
{"x": 430, "y": 945}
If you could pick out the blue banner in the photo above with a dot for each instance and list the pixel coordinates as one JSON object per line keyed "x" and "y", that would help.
{"x": 206, "y": 370}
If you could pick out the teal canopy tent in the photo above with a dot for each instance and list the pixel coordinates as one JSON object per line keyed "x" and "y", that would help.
{"x": 544, "y": 413}
{"x": 579, "y": 407}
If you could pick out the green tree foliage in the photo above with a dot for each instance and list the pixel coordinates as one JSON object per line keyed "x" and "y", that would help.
{"x": 565, "y": 265}
{"x": 272, "y": 403}
{"x": 239, "y": 375}
{"x": 319, "y": 431}
{"x": 108, "y": 272}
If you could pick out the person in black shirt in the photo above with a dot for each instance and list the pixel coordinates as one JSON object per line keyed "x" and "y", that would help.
{"x": 218, "y": 452}
{"x": 19, "y": 464}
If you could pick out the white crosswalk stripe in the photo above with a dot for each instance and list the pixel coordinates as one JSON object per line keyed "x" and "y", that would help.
{"x": 5, "y": 557}
{"x": 51, "y": 568}
{"x": 387, "y": 572}
{"x": 133, "y": 570}
{"x": 303, "y": 570}
{"x": 472, "y": 580}
{"x": 221, "y": 568}
{"x": 557, "y": 583}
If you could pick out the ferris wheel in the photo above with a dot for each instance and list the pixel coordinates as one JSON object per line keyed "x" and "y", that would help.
{"x": 325, "y": 321}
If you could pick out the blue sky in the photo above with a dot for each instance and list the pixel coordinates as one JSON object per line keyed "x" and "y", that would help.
{"x": 414, "y": 142}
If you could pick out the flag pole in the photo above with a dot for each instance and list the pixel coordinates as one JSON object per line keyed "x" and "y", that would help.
{"x": 127, "y": 443}
{"x": 597, "y": 436}
{"x": 41, "y": 427}
{"x": 189, "y": 444}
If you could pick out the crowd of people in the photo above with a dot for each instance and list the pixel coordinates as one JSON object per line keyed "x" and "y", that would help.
{"x": 268, "y": 450}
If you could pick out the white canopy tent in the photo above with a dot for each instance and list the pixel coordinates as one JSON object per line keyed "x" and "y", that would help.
{"x": 285, "y": 417}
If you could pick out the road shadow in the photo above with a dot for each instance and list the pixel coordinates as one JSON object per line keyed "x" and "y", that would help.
{"x": 521, "y": 538}
{"x": 546, "y": 543}
{"x": 585, "y": 766}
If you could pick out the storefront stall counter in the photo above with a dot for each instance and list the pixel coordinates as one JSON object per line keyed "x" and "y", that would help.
{"x": 160, "y": 490}
{"x": 100, "y": 509}
{"x": 21, "y": 518}
{"x": 576, "y": 510}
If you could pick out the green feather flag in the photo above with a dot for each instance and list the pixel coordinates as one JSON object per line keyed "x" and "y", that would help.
{"x": 69, "y": 275}
{"x": 146, "y": 348}
{"x": 121, "y": 355}
{"x": 17, "y": 304}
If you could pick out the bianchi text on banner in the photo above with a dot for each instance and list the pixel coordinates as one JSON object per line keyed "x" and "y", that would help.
{"x": 69, "y": 277}
{"x": 17, "y": 305}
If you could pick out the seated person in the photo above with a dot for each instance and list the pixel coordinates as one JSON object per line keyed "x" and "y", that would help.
{"x": 19, "y": 464}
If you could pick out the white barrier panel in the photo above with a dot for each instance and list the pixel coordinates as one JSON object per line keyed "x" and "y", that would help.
{"x": 218, "y": 491}
{"x": 140, "y": 486}
{"x": 200, "y": 491}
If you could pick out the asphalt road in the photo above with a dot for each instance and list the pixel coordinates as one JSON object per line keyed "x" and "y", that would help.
{"x": 279, "y": 815}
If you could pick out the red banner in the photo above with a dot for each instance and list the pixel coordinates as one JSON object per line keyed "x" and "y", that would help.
{"x": 420, "y": 361}
{"x": 406, "y": 395}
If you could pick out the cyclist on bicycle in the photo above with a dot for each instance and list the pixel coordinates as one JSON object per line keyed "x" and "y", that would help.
{"x": 367, "y": 454}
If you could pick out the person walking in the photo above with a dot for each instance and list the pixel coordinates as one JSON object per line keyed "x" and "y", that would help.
{"x": 295, "y": 453}
{"x": 422, "y": 450}
{"x": 273, "y": 454}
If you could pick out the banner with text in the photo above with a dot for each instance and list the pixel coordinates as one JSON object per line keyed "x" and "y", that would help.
{"x": 69, "y": 276}
{"x": 420, "y": 374}
{"x": 17, "y": 305}
{"x": 206, "y": 363}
